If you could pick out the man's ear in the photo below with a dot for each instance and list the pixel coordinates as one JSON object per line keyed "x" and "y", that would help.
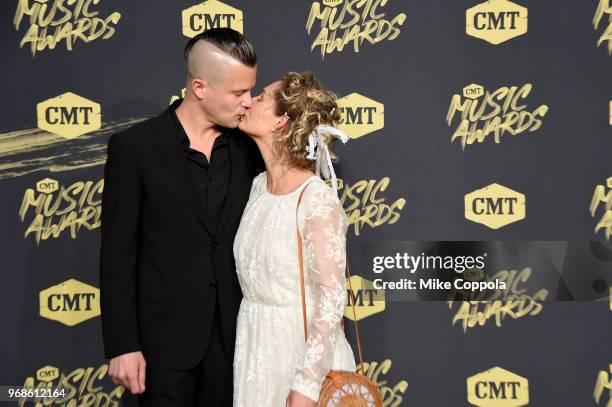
{"x": 199, "y": 88}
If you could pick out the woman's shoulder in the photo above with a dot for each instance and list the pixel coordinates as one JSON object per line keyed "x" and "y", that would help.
{"x": 259, "y": 177}
{"x": 259, "y": 182}
{"x": 321, "y": 207}
{"x": 317, "y": 191}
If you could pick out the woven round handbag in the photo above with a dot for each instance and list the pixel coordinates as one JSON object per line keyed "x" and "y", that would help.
{"x": 341, "y": 388}
{"x": 348, "y": 389}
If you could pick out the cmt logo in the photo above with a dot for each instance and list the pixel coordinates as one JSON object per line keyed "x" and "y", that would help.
{"x": 47, "y": 186}
{"x": 68, "y": 115}
{"x": 210, "y": 14}
{"x": 47, "y": 374}
{"x": 496, "y": 21}
{"x": 497, "y": 387}
{"x": 611, "y": 113}
{"x": 495, "y": 206}
{"x": 332, "y": 3}
{"x": 473, "y": 91}
{"x": 360, "y": 115}
{"x": 367, "y": 299}
{"x": 70, "y": 302}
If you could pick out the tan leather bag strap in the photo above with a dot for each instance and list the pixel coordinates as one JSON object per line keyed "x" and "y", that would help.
{"x": 303, "y": 290}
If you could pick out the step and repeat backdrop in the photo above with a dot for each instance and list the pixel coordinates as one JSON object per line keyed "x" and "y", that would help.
{"x": 482, "y": 122}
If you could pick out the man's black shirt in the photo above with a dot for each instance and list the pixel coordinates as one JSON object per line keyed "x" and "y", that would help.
{"x": 210, "y": 179}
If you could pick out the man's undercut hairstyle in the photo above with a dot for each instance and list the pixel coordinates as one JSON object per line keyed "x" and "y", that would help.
{"x": 229, "y": 41}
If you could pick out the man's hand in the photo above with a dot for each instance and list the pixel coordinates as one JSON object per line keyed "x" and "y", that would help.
{"x": 128, "y": 370}
{"x": 297, "y": 399}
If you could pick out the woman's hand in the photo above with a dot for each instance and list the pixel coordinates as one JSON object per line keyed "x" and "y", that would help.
{"x": 296, "y": 399}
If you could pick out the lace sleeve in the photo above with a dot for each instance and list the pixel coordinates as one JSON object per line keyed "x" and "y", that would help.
{"x": 324, "y": 235}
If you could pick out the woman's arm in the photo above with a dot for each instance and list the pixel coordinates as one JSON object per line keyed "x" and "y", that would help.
{"x": 324, "y": 235}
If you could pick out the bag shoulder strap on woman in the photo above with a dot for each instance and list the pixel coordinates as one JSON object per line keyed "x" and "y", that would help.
{"x": 302, "y": 287}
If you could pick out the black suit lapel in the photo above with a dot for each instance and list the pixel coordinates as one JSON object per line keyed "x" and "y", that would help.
{"x": 168, "y": 144}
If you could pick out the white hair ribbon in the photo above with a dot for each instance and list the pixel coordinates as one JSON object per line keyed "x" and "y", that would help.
{"x": 317, "y": 150}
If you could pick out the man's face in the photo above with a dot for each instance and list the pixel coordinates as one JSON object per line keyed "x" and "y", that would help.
{"x": 226, "y": 102}
{"x": 261, "y": 117}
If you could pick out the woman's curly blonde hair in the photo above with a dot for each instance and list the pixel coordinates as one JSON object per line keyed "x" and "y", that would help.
{"x": 307, "y": 105}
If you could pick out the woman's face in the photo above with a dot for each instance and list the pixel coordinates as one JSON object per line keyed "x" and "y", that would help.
{"x": 261, "y": 118}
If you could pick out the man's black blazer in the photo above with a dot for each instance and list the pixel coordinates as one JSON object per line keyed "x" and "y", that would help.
{"x": 161, "y": 270}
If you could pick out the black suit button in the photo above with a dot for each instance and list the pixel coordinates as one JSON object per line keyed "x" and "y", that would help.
{"x": 212, "y": 285}
{"x": 216, "y": 246}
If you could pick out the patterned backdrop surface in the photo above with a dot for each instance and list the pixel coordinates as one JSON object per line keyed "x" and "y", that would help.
{"x": 473, "y": 120}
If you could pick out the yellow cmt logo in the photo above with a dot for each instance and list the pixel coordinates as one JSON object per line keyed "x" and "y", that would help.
{"x": 473, "y": 91}
{"x": 367, "y": 299}
{"x": 69, "y": 115}
{"x": 497, "y": 387}
{"x": 360, "y": 115}
{"x": 496, "y": 21}
{"x": 70, "y": 302}
{"x": 332, "y": 3}
{"x": 211, "y": 14}
{"x": 495, "y": 206}
{"x": 47, "y": 186}
{"x": 47, "y": 374}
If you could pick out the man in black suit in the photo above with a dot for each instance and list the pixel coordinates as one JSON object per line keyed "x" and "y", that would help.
{"x": 175, "y": 188}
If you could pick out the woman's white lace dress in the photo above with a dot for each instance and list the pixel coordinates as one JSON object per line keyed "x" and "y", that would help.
{"x": 271, "y": 357}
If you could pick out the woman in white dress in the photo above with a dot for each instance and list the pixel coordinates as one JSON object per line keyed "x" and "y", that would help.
{"x": 273, "y": 365}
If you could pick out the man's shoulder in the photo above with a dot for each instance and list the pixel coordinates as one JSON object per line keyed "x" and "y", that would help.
{"x": 127, "y": 136}
{"x": 137, "y": 133}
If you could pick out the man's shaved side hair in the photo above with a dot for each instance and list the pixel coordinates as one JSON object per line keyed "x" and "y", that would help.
{"x": 208, "y": 54}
